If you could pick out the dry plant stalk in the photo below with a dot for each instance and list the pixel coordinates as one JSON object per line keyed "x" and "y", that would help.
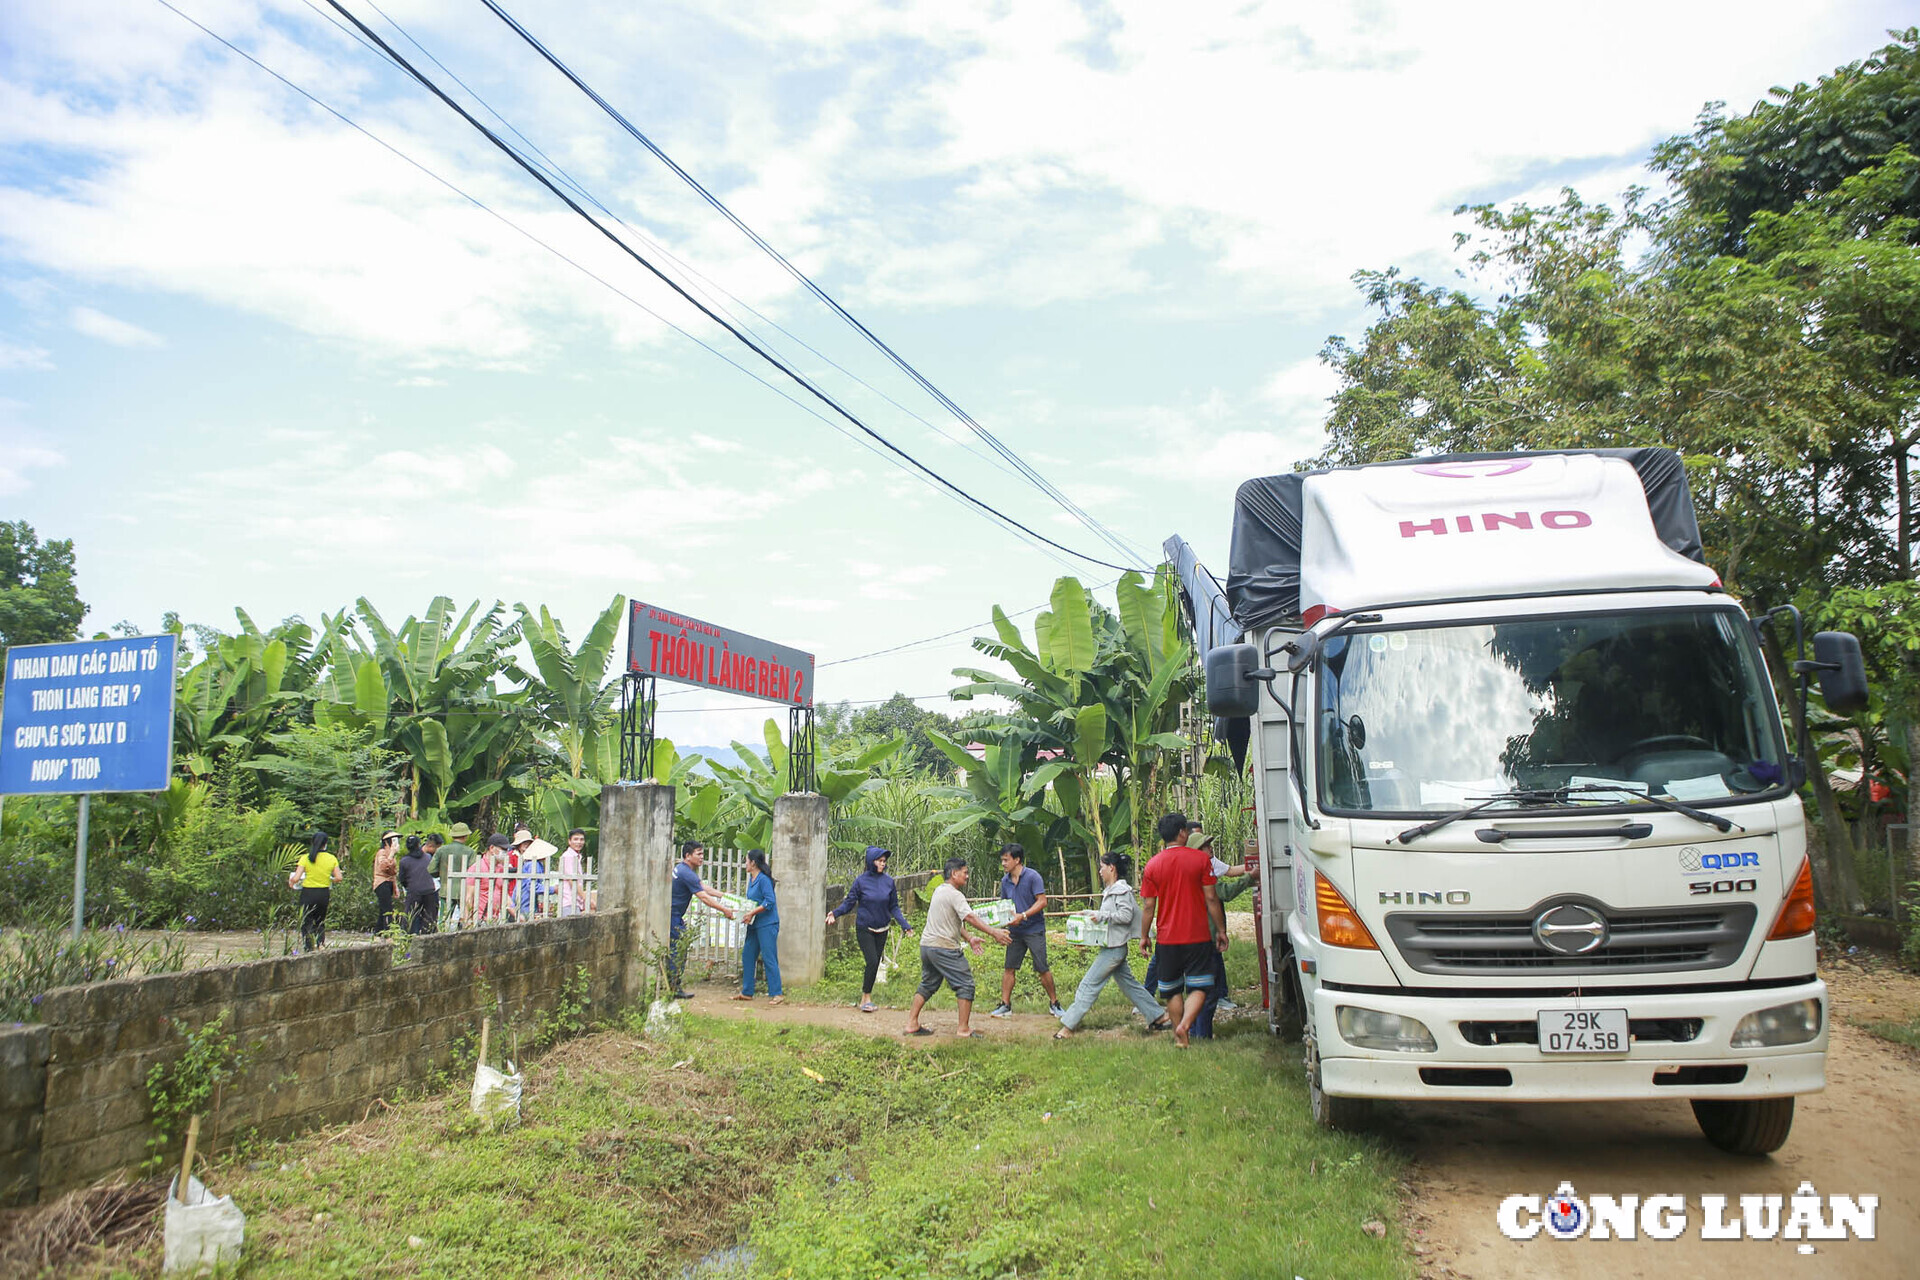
{"x": 105, "y": 1216}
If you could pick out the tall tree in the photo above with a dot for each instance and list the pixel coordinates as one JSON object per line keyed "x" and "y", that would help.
{"x": 38, "y": 601}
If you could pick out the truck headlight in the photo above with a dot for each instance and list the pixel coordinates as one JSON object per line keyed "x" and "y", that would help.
{"x": 1372, "y": 1029}
{"x": 1794, "y": 1023}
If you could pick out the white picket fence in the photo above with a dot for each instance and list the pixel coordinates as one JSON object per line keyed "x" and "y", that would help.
{"x": 471, "y": 894}
{"x": 715, "y": 941}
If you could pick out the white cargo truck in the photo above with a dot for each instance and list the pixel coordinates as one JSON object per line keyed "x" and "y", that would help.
{"x": 1527, "y": 814}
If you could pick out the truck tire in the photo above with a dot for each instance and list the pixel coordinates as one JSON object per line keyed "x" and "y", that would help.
{"x": 1287, "y": 1018}
{"x": 1745, "y": 1126}
{"x": 1329, "y": 1112}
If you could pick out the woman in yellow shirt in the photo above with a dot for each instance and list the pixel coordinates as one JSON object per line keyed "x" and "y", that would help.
{"x": 315, "y": 875}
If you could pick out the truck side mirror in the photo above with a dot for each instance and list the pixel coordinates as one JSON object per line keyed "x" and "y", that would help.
{"x": 1233, "y": 688}
{"x": 1842, "y": 671}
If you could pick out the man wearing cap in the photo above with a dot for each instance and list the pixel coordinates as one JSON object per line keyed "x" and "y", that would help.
{"x": 449, "y": 858}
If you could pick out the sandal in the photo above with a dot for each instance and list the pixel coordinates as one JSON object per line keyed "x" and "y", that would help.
{"x": 1063, "y": 1034}
{"x": 867, "y": 1006}
{"x": 971, "y": 1035}
{"x": 776, "y": 1000}
{"x": 738, "y": 996}
{"x": 917, "y": 1031}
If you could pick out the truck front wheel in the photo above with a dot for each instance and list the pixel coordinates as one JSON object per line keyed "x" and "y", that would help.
{"x": 1745, "y": 1126}
{"x": 1288, "y": 1019}
{"x": 1329, "y": 1112}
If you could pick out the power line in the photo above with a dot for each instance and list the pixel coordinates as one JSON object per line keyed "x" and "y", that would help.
{"x": 508, "y": 222}
{"x": 1020, "y": 613}
{"x": 708, "y": 287}
{"x": 1033, "y": 476}
{"x": 799, "y": 379}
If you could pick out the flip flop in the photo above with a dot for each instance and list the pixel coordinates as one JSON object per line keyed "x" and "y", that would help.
{"x": 740, "y": 997}
{"x": 917, "y": 1031}
{"x": 867, "y": 1008}
{"x": 1063, "y": 1034}
{"x": 971, "y": 1035}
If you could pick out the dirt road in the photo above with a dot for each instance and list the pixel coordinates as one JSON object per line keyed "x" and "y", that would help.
{"x": 1862, "y": 1136}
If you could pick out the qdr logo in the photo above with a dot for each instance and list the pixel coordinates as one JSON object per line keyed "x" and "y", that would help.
{"x": 1691, "y": 860}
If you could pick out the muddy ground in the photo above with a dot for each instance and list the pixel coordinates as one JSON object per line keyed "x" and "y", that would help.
{"x": 1861, "y": 1136}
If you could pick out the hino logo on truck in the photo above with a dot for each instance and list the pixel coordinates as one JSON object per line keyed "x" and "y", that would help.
{"x": 1572, "y": 929}
{"x": 1494, "y": 521}
{"x": 1424, "y": 898}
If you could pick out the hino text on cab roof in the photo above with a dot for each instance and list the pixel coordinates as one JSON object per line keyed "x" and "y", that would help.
{"x": 1527, "y": 815}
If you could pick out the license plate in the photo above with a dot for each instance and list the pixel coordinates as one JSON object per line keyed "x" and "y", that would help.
{"x": 1584, "y": 1031}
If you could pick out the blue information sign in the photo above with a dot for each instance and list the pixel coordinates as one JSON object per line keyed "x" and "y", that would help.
{"x": 95, "y": 715}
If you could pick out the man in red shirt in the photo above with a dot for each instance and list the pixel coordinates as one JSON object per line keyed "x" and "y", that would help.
{"x": 1177, "y": 888}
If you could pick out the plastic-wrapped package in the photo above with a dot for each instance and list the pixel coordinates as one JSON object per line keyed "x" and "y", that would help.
{"x": 496, "y": 1094}
{"x": 205, "y": 1231}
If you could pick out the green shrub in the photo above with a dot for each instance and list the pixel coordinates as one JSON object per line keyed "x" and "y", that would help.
{"x": 39, "y": 958}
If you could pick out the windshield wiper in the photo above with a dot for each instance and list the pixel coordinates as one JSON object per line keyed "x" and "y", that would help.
{"x": 1521, "y": 796}
{"x": 1552, "y": 795}
{"x": 1713, "y": 820}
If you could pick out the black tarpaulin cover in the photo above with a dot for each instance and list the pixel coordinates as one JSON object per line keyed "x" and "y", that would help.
{"x": 1213, "y": 622}
{"x": 1263, "y": 566}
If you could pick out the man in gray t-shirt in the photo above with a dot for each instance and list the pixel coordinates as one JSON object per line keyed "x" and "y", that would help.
{"x": 942, "y": 957}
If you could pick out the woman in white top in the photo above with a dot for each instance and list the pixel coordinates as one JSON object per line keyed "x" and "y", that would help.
{"x": 1119, "y": 910}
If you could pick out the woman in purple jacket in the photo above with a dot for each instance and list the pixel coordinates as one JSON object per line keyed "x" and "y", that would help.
{"x": 876, "y": 906}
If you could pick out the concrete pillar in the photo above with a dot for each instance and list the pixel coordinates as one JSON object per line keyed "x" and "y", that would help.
{"x": 636, "y": 871}
{"x": 799, "y": 855}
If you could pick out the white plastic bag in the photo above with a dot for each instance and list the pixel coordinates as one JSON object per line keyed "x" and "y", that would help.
{"x": 887, "y": 963}
{"x": 496, "y": 1095}
{"x": 204, "y": 1231}
{"x": 663, "y": 1016}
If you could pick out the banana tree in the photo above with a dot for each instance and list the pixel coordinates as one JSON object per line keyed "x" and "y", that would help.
{"x": 403, "y": 682}
{"x": 573, "y": 689}
{"x": 745, "y": 814}
{"x": 1096, "y": 688}
{"x": 246, "y": 687}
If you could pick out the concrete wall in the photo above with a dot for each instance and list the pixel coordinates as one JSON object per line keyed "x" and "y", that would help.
{"x": 326, "y": 1034}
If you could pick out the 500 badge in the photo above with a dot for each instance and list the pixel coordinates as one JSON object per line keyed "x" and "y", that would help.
{"x": 1698, "y": 888}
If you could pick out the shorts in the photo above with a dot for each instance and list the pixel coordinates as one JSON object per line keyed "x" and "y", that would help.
{"x": 941, "y": 964}
{"x": 1184, "y": 966}
{"x": 1027, "y": 944}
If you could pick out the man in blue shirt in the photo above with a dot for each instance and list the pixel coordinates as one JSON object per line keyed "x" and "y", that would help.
{"x": 687, "y": 885}
{"x": 1023, "y": 885}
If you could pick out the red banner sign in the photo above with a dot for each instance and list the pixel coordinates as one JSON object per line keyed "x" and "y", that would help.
{"x": 686, "y": 650}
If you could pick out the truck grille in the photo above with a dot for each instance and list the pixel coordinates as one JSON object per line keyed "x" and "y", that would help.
{"x": 1665, "y": 940}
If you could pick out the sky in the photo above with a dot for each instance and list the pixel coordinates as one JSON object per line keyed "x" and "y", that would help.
{"x": 251, "y": 356}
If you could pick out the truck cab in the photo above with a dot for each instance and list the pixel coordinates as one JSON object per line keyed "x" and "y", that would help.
{"x": 1526, "y": 807}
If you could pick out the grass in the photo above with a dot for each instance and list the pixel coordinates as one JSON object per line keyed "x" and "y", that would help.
{"x": 1110, "y": 1157}
{"x": 1906, "y": 1033}
{"x": 845, "y": 969}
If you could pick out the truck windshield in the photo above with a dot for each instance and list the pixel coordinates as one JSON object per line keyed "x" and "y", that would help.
{"x": 1608, "y": 706}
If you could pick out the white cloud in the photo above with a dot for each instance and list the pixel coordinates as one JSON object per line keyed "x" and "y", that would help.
{"x": 21, "y": 452}
{"x": 25, "y": 356}
{"x": 120, "y": 333}
{"x": 951, "y": 154}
